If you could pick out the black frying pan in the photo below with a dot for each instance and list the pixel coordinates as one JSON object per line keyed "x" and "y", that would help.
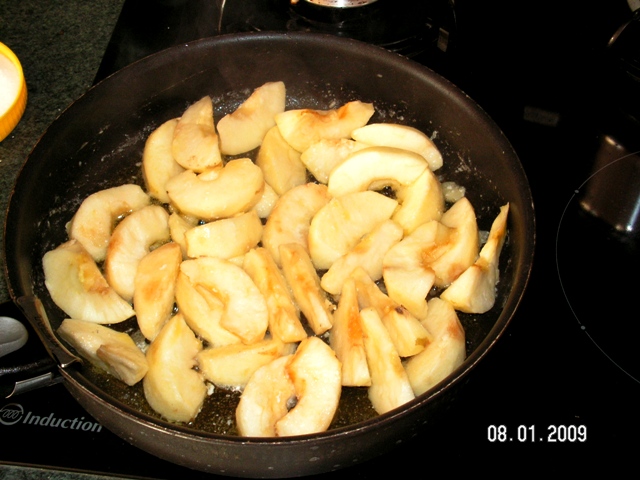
{"x": 97, "y": 143}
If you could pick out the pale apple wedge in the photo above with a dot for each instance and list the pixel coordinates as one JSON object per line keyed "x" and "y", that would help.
{"x": 444, "y": 354}
{"x": 316, "y": 375}
{"x": 195, "y": 143}
{"x": 265, "y": 399}
{"x": 338, "y": 226}
{"x": 244, "y": 129}
{"x": 225, "y": 238}
{"x": 406, "y": 332}
{"x": 131, "y": 240}
{"x": 267, "y": 201}
{"x": 374, "y": 168}
{"x": 405, "y": 268}
{"x": 245, "y": 309}
{"x": 158, "y": 164}
{"x": 474, "y": 291}
{"x": 280, "y": 163}
{"x": 112, "y": 351}
{"x": 77, "y": 286}
{"x": 178, "y": 226}
{"x": 284, "y": 315}
{"x": 303, "y": 280}
{"x": 94, "y": 220}
{"x": 232, "y": 366}
{"x": 367, "y": 254}
{"x": 154, "y": 288}
{"x": 303, "y": 127}
{"x": 462, "y": 249}
{"x": 323, "y": 156}
{"x": 390, "y": 387}
{"x": 400, "y": 136}
{"x": 291, "y": 217}
{"x": 420, "y": 202}
{"x": 346, "y": 338}
{"x": 236, "y": 188}
{"x": 172, "y": 386}
{"x": 201, "y": 309}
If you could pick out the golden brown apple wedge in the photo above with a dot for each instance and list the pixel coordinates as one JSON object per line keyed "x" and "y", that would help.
{"x": 444, "y": 354}
{"x": 367, "y": 254}
{"x": 114, "y": 352}
{"x": 131, "y": 240}
{"x": 225, "y": 238}
{"x": 338, "y": 226}
{"x": 323, "y": 156}
{"x": 236, "y": 188}
{"x": 244, "y": 129}
{"x": 155, "y": 287}
{"x": 474, "y": 291}
{"x": 284, "y": 315}
{"x": 158, "y": 164}
{"x": 291, "y": 217}
{"x": 232, "y": 366}
{"x": 280, "y": 163}
{"x": 390, "y": 385}
{"x": 266, "y": 398}
{"x": 172, "y": 386}
{"x": 303, "y": 280}
{"x": 303, "y": 127}
{"x": 316, "y": 375}
{"x": 374, "y": 168}
{"x": 77, "y": 286}
{"x": 195, "y": 141}
{"x": 347, "y": 340}
{"x": 400, "y": 136}
{"x": 245, "y": 309}
{"x": 97, "y": 215}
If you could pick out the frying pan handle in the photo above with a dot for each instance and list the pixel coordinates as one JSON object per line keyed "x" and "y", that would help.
{"x": 33, "y": 309}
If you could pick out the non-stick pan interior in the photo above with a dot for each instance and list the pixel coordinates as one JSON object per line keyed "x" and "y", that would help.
{"x": 98, "y": 142}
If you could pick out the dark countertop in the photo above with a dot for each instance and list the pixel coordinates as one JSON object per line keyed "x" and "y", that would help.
{"x": 60, "y": 45}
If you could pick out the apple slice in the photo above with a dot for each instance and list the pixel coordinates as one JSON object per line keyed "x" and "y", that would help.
{"x": 346, "y": 338}
{"x": 408, "y": 335}
{"x": 77, "y": 286}
{"x": 195, "y": 141}
{"x": 338, "y": 226}
{"x": 303, "y": 127}
{"x": 474, "y": 291}
{"x": 305, "y": 285}
{"x": 284, "y": 316}
{"x": 444, "y": 354}
{"x": 172, "y": 386}
{"x": 323, "y": 156}
{"x": 236, "y": 188}
{"x": 178, "y": 226}
{"x": 96, "y": 217}
{"x": 201, "y": 309}
{"x": 280, "y": 163}
{"x": 245, "y": 309}
{"x": 374, "y": 168}
{"x": 114, "y": 352}
{"x": 400, "y": 136}
{"x": 390, "y": 387}
{"x": 158, "y": 164}
{"x": 225, "y": 238}
{"x": 265, "y": 399}
{"x": 244, "y": 129}
{"x": 291, "y": 217}
{"x": 154, "y": 288}
{"x": 367, "y": 254}
{"x": 232, "y": 366}
{"x": 420, "y": 202}
{"x": 315, "y": 372}
{"x": 267, "y": 202}
{"x": 131, "y": 240}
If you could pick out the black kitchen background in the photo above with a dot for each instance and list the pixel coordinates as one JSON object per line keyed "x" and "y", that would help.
{"x": 545, "y": 73}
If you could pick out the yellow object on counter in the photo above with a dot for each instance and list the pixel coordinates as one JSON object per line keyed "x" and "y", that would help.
{"x": 13, "y": 91}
